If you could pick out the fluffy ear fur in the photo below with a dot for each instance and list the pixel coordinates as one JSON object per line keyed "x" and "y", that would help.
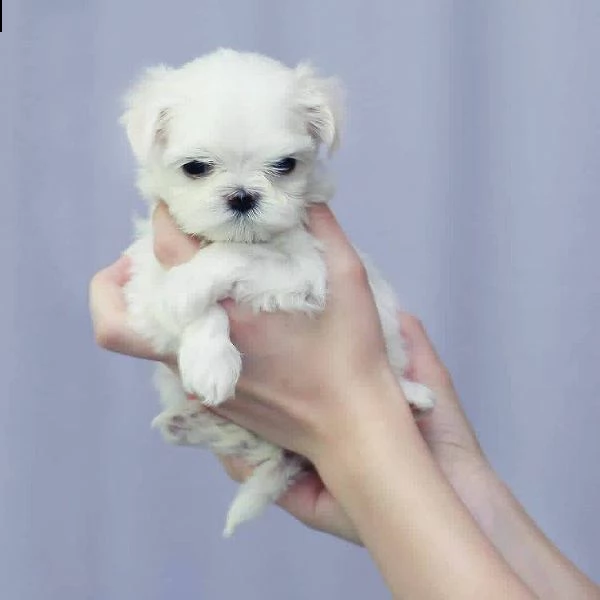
{"x": 147, "y": 112}
{"x": 321, "y": 102}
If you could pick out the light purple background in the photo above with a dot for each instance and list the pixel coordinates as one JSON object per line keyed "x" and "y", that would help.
{"x": 469, "y": 171}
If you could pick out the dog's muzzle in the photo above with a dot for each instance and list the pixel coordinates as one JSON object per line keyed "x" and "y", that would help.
{"x": 242, "y": 201}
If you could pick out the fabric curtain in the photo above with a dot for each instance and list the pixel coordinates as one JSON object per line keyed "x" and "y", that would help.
{"x": 469, "y": 171}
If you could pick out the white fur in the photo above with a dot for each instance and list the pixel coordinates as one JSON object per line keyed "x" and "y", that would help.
{"x": 241, "y": 113}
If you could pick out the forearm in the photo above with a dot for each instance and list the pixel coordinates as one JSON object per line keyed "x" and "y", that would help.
{"x": 524, "y": 546}
{"x": 421, "y": 536}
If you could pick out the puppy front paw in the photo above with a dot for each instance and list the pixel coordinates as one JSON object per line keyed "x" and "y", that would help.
{"x": 419, "y": 396}
{"x": 210, "y": 373}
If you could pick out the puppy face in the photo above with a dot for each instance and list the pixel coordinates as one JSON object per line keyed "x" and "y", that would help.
{"x": 230, "y": 142}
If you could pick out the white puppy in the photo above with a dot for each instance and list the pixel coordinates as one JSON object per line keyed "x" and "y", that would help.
{"x": 230, "y": 142}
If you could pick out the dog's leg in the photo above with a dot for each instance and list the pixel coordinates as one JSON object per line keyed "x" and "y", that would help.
{"x": 419, "y": 396}
{"x": 192, "y": 288}
{"x": 188, "y": 422}
{"x": 209, "y": 364}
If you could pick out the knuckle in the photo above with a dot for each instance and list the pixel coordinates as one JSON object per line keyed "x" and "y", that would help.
{"x": 353, "y": 269}
{"x": 413, "y": 322}
{"x": 107, "y": 335}
{"x": 232, "y": 471}
{"x": 234, "y": 475}
{"x": 94, "y": 285}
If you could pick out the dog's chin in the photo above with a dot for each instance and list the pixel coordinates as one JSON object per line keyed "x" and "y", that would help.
{"x": 242, "y": 234}
{"x": 242, "y": 229}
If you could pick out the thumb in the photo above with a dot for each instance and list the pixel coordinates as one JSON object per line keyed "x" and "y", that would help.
{"x": 171, "y": 245}
{"x": 344, "y": 266}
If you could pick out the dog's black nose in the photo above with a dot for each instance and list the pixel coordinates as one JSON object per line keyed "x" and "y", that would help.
{"x": 242, "y": 201}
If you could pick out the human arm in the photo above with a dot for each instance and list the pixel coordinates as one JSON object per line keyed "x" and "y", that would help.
{"x": 449, "y": 438}
{"x": 345, "y": 411}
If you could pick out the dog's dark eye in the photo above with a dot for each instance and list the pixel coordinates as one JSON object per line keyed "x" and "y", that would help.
{"x": 196, "y": 168}
{"x": 284, "y": 166}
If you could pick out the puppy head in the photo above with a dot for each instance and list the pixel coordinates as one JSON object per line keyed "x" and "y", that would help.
{"x": 230, "y": 142}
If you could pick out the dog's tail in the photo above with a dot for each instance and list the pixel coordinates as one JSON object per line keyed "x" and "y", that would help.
{"x": 265, "y": 485}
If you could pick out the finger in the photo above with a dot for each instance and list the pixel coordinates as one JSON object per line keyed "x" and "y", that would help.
{"x": 109, "y": 313}
{"x": 171, "y": 246}
{"x": 425, "y": 366}
{"x": 119, "y": 272}
{"x": 300, "y": 498}
{"x": 348, "y": 290}
{"x": 107, "y": 285}
{"x": 344, "y": 264}
{"x": 245, "y": 410}
{"x": 310, "y": 503}
{"x": 237, "y": 468}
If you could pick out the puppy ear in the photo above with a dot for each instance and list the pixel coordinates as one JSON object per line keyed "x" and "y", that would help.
{"x": 321, "y": 104}
{"x": 147, "y": 112}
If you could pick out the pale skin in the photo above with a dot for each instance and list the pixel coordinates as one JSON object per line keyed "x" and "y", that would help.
{"x": 421, "y": 498}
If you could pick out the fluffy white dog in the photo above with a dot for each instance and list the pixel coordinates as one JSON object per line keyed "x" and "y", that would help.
{"x": 230, "y": 142}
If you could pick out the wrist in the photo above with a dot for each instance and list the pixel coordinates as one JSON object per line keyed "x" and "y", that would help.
{"x": 475, "y": 483}
{"x": 373, "y": 414}
{"x": 531, "y": 555}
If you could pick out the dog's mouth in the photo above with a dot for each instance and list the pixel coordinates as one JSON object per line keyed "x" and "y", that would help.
{"x": 239, "y": 229}
{"x": 201, "y": 240}
{"x": 252, "y": 226}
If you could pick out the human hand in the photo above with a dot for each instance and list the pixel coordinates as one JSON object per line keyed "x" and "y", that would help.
{"x": 275, "y": 399}
{"x": 309, "y": 501}
{"x": 445, "y": 429}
